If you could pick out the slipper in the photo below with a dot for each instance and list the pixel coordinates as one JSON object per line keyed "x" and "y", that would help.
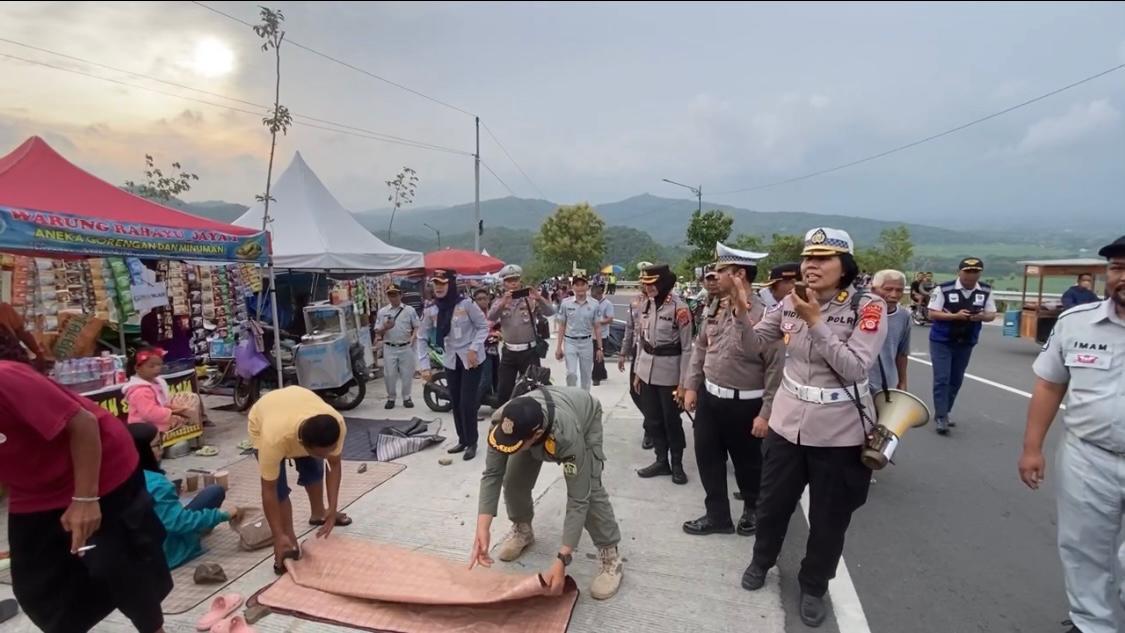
{"x": 293, "y": 554}
{"x": 221, "y": 608}
{"x": 245, "y": 445}
{"x": 342, "y": 520}
{"x": 237, "y": 624}
{"x": 207, "y": 451}
{"x": 8, "y": 609}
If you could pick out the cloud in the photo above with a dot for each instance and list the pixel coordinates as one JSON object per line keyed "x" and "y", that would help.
{"x": 1081, "y": 122}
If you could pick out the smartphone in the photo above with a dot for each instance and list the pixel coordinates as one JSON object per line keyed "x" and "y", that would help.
{"x": 521, "y": 293}
{"x": 802, "y": 290}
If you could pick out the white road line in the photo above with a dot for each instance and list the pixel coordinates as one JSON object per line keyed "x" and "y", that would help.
{"x": 845, "y": 601}
{"x": 990, "y": 383}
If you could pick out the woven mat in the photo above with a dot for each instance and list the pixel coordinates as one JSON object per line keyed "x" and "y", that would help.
{"x": 378, "y": 587}
{"x": 246, "y": 490}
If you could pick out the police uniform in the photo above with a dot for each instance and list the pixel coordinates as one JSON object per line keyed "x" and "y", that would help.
{"x": 517, "y": 319}
{"x": 951, "y": 342}
{"x": 630, "y": 345}
{"x": 779, "y": 273}
{"x": 577, "y": 321}
{"x": 662, "y": 367}
{"x": 734, "y": 385}
{"x": 1086, "y": 352}
{"x": 816, "y": 431}
{"x": 574, "y": 441}
{"x": 398, "y": 351}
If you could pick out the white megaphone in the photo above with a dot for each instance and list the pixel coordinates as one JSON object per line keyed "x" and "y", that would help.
{"x": 897, "y": 412}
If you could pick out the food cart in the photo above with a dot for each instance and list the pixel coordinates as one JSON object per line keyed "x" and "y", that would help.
{"x": 1036, "y": 316}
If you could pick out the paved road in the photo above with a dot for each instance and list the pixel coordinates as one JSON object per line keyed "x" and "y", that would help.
{"x": 950, "y": 540}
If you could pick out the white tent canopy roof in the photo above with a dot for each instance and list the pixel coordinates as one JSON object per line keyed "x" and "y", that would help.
{"x": 310, "y": 230}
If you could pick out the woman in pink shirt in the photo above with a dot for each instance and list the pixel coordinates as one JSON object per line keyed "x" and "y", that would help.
{"x": 148, "y": 398}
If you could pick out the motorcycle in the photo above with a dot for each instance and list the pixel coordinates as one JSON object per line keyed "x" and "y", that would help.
{"x": 436, "y": 390}
{"x": 261, "y": 372}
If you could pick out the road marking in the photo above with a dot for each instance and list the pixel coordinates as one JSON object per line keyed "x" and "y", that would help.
{"x": 990, "y": 383}
{"x": 845, "y": 601}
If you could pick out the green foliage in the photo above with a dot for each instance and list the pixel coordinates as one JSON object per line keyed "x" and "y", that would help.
{"x": 782, "y": 249}
{"x": 895, "y": 250}
{"x": 158, "y": 186}
{"x": 402, "y": 188}
{"x": 574, "y": 233}
{"x": 626, "y": 246}
{"x": 702, "y": 232}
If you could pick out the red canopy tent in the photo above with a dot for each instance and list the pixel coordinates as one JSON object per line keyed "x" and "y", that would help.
{"x": 50, "y": 206}
{"x": 464, "y": 262}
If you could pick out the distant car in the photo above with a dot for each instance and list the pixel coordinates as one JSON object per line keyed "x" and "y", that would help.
{"x": 616, "y": 338}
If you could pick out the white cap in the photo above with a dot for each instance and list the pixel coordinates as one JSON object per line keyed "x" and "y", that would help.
{"x": 727, "y": 256}
{"x": 826, "y": 241}
{"x": 511, "y": 270}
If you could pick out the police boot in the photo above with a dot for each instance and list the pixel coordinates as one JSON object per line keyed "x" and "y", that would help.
{"x": 656, "y": 469}
{"x": 678, "y": 474}
{"x": 812, "y": 610}
{"x": 748, "y": 524}
{"x": 518, "y": 539}
{"x": 608, "y": 580}
{"x": 646, "y": 443}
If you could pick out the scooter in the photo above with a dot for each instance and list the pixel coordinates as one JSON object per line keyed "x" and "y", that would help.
{"x": 344, "y": 397}
{"x": 920, "y": 312}
{"x": 436, "y": 390}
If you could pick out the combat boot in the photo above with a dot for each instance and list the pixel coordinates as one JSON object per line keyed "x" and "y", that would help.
{"x": 608, "y": 580}
{"x": 518, "y": 539}
{"x": 678, "y": 474}
{"x": 656, "y": 469}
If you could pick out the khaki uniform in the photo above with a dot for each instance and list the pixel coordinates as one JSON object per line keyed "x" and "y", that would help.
{"x": 816, "y": 432}
{"x": 575, "y": 442}
{"x": 663, "y": 358}
{"x": 517, "y": 329}
{"x": 734, "y": 385}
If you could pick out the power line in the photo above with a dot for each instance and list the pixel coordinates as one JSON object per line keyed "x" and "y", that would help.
{"x": 340, "y": 128}
{"x": 499, "y": 179}
{"x": 344, "y": 63}
{"x": 924, "y": 140}
{"x": 506, "y": 153}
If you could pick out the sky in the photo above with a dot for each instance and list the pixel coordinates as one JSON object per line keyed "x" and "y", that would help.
{"x": 600, "y": 102}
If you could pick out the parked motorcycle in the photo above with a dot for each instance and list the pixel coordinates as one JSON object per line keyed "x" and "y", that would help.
{"x": 436, "y": 390}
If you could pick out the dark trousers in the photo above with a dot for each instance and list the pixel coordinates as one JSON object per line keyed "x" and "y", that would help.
{"x": 512, "y": 365}
{"x": 599, "y": 372}
{"x": 838, "y": 484}
{"x": 950, "y": 362}
{"x": 464, "y": 392}
{"x": 662, "y": 419}
{"x": 210, "y": 498}
{"x": 722, "y": 427}
{"x": 633, "y": 393}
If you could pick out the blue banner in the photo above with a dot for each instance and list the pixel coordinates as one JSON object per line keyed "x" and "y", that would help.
{"x": 25, "y": 230}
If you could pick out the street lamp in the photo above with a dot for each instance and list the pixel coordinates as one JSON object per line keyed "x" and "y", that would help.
{"x": 698, "y": 191}
{"x": 435, "y": 231}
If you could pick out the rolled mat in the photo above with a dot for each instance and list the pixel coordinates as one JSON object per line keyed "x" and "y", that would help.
{"x": 378, "y": 587}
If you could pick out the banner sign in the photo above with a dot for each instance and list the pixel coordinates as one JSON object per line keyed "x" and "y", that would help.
{"x": 65, "y": 234}
{"x": 112, "y": 399}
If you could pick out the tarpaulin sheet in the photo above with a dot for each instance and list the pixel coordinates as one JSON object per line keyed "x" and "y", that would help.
{"x": 379, "y": 587}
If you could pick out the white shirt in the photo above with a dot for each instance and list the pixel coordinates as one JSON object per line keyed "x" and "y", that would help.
{"x": 767, "y": 297}
{"x": 937, "y": 298}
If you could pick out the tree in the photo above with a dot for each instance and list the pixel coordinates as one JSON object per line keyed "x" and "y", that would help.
{"x": 894, "y": 251}
{"x": 159, "y": 187}
{"x": 574, "y": 233}
{"x": 279, "y": 119}
{"x": 402, "y": 193}
{"x": 782, "y": 249}
{"x": 702, "y": 232}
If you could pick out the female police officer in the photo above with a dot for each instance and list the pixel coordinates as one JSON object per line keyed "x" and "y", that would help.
{"x": 821, "y": 413}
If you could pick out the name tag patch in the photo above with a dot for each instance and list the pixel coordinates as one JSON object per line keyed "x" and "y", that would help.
{"x": 954, "y": 298}
{"x": 979, "y": 300}
{"x": 1088, "y": 359}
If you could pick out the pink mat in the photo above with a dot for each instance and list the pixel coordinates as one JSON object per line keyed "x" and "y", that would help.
{"x": 380, "y": 587}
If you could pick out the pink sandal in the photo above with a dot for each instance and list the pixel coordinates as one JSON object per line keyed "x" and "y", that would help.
{"x": 237, "y": 624}
{"x": 221, "y": 608}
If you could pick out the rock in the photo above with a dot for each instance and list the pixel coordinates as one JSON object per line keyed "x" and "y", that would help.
{"x": 445, "y": 461}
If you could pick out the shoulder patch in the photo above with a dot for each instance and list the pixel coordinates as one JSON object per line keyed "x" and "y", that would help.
{"x": 841, "y": 296}
{"x": 870, "y": 316}
{"x": 683, "y": 316}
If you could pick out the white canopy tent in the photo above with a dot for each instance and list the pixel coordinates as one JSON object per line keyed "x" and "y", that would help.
{"x": 310, "y": 230}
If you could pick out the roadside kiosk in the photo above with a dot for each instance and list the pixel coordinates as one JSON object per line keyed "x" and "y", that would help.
{"x": 1036, "y": 317}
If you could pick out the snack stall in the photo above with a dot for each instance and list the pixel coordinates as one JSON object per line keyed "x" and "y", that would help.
{"x": 74, "y": 262}
{"x": 1037, "y": 315}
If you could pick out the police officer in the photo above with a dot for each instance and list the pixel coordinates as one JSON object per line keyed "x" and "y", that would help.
{"x": 517, "y": 317}
{"x": 662, "y": 367}
{"x": 579, "y": 329}
{"x": 630, "y": 345}
{"x": 397, "y": 323}
{"x": 820, "y": 414}
{"x": 605, "y": 323}
{"x": 734, "y": 388}
{"x": 781, "y": 282}
{"x": 957, "y": 309}
{"x": 1086, "y": 356}
{"x": 562, "y": 425}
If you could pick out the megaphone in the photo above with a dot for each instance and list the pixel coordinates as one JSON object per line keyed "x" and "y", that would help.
{"x": 897, "y": 412}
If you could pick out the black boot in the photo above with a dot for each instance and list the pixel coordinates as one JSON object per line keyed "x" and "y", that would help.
{"x": 704, "y": 525}
{"x": 658, "y": 468}
{"x": 754, "y": 577}
{"x": 678, "y": 474}
{"x": 646, "y": 443}
{"x": 812, "y": 610}
{"x": 748, "y": 524}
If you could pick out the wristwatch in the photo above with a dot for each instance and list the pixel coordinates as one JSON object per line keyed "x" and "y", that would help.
{"x": 565, "y": 558}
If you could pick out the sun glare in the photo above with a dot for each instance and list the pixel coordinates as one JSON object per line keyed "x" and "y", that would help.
{"x": 212, "y": 58}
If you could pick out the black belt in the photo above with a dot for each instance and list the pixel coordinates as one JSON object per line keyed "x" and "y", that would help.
{"x": 578, "y": 338}
{"x": 668, "y": 349}
{"x": 396, "y": 344}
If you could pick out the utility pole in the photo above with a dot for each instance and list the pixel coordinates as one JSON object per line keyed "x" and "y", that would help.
{"x": 476, "y": 204}
{"x": 698, "y": 191}
{"x": 435, "y": 231}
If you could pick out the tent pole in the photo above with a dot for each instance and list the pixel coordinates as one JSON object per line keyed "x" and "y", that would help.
{"x": 121, "y": 336}
{"x": 276, "y": 325}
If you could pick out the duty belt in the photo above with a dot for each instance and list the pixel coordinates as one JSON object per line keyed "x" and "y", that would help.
{"x": 578, "y": 338}
{"x": 518, "y": 347}
{"x": 733, "y": 394}
{"x": 668, "y": 349}
{"x": 819, "y": 395}
{"x": 396, "y": 344}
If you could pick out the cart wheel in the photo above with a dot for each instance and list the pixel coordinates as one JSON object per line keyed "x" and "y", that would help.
{"x": 435, "y": 393}
{"x": 246, "y": 393}
{"x": 348, "y": 399}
